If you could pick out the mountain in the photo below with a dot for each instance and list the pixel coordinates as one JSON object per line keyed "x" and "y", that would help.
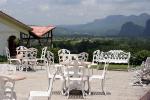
{"x": 110, "y": 25}
{"x": 130, "y": 29}
{"x": 147, "y": 28}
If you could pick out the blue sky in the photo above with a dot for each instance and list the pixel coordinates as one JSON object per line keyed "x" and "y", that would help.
{"x": 57, "y": 12}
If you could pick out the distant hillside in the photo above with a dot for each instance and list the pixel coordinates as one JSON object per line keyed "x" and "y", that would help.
{"x": 130, "y": 29}
{"x": 110, "y": 25}
{"x": 147, "y": 29}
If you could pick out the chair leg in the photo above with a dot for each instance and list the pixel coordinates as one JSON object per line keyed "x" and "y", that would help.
{"x": 83, "y": 92}
{"x": 102, "y": 86}
{"x": 30, "y": 98}
{"x": 89, "y": 88}
{"x": 63, "y": 87}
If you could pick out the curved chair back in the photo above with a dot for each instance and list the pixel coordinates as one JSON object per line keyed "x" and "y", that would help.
{"x": 96, "y": 55}
{"x": 43, "y": 53}
{"x": 83, "y": 56}
{"x": 62, "y": 55}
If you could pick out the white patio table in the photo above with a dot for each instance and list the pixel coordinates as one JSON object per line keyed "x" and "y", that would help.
{"x": 9, "y": 70}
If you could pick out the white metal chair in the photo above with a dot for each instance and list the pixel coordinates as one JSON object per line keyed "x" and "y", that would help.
{"x": 141, "y": 72}
{"x": 12, "y": 60}
{"x": 51, "y": 66}
{"x": 42, "y": 58}
{"x": 47, "y": 93}
{"x": 7, "y": 88}
{"x": 76, "y": 80}
{"x": 95, "y": 60}
{"x": 100, "y": 77}
{"x": 30, "y": 61}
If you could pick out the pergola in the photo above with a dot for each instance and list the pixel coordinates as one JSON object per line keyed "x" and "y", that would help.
{"x": 43, "y": 34}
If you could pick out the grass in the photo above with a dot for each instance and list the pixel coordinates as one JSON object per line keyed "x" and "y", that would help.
{"x": 114, "y": 67}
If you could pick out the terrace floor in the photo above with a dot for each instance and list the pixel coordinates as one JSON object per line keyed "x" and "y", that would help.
{"x": 117, "y": 87}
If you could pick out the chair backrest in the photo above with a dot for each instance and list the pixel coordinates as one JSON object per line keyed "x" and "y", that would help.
{"x": 18, "y": 49}
{"x": 147, "y": 60}
{"x": 50, "y": 57}
{"x": 96, "y": 55}
{"x": 43, "y": 54}
{"x": 32, "y": 53}
{"x": 21, "y": 50}
{"x": 62, "y": 55}
{"x": 7, "y": 53}
{"x": 105, "y": 69}
{"x": 83, "y": 56}
{"x": 63, "y": 51}
{"x": 75, "y": 67}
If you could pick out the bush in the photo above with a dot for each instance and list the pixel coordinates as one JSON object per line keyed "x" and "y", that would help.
{"x": 140, "y": 56}
{"x": 55, "y": 51}
{"x": 3, "y": 58}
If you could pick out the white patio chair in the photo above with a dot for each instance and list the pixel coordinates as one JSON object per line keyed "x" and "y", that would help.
{"x": 7, "y": 88}
{"x": 30, "y": 61}
{"x": 61, "y": 54}
{"x": 141, "y": 72}
{"x": 47, "y": 93}
{"x": 12, "y": 60}
{"x": 100, "y": 77}
{"x": 76, "y": 80}
{"x": 95, "y": 60}
{"x": 51, "y": 66}
{"x": 42, "y": 58}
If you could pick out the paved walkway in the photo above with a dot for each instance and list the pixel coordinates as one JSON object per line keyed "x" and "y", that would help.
{"x": 117, "y": 87}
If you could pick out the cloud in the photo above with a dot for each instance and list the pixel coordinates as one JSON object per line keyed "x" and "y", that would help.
{"x": 44, "y": 7}
{"x": 71, "y": 11}
{"x": 3, "y": 2}
{"x": 65, "y": 2}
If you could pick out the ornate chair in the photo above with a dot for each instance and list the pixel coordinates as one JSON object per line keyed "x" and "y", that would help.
{"x": 77, "y": 79}
{"x": 30, "y": 61}
{"x": 51, "y": 66}
{"x": 42, "y": 58}
{"x": 13, "y": 60}
{"x": 100, "y": 77}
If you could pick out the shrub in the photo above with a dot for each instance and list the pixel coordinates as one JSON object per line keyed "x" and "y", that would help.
{"x": 140, "y": 56}
{"x": 3, "y": 58}
{"x": 55, "y": 51}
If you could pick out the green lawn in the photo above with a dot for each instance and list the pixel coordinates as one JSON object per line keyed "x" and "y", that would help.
{"x": 115, "y": 67}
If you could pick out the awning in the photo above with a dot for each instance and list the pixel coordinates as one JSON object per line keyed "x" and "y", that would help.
{"x": 41, "y": 30}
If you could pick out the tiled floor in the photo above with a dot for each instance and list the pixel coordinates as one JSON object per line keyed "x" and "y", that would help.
{"x": 117, "y": 87}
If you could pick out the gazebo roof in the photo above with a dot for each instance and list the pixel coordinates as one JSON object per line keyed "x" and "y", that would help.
{"x": 41, "y": 30}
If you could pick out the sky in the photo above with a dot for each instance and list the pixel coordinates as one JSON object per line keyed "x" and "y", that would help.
{"x": 68, "y": 12}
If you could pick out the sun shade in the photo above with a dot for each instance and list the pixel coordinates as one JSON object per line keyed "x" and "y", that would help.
{"x": 41, "y": 30}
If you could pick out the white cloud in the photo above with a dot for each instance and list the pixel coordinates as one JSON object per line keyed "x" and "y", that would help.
{"x": 71, "y": 11}
{"x": 44, "y": 7}
{"x": 3, "y": 2}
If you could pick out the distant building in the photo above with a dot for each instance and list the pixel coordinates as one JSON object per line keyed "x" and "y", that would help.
{"x": 11, "y": 30}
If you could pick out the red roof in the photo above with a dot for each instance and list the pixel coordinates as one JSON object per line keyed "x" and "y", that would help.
{"x": 41, "y": 30}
